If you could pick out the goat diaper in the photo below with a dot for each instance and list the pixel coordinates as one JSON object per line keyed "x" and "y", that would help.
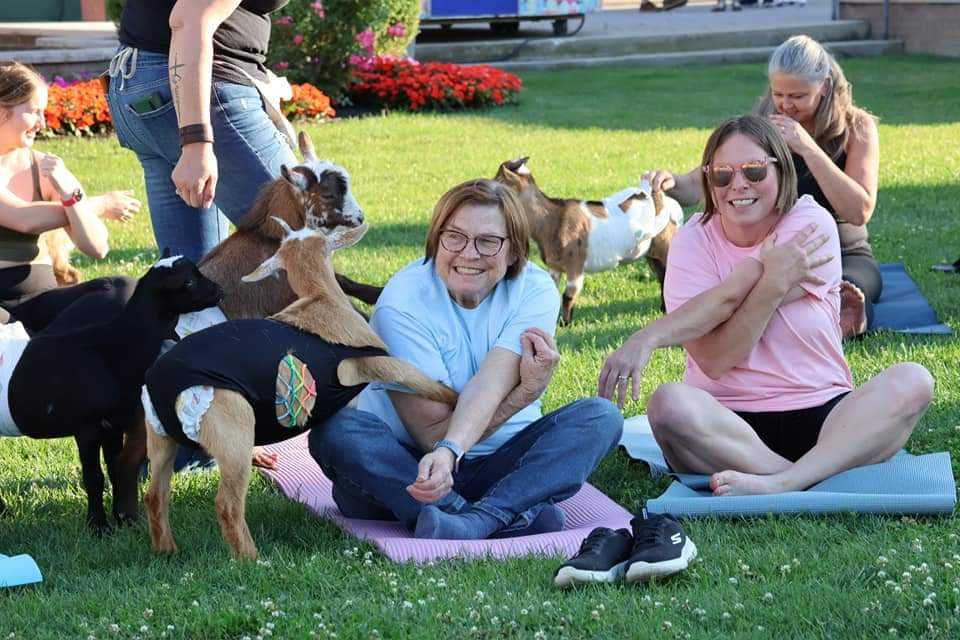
{"x": 13, "y": 341}
{"x": 199, "y": 320}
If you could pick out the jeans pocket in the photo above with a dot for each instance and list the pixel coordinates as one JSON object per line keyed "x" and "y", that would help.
{"x": 151, "y": 121}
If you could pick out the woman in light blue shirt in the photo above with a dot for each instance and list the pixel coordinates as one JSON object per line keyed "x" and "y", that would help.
{"x": 477, "y": 316}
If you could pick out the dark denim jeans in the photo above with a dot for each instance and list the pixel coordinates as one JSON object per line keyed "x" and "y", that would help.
{"x": 546, "y": 462}
{"x": 248, "y": 147}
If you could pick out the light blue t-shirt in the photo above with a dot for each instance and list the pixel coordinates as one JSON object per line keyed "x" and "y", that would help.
{"x": 421, "y": 324}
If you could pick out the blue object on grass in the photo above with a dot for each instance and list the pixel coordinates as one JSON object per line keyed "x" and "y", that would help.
{"x": 18, "y": 570}
{"x": 905, "y": 484}
{"x": 902, "y": 307}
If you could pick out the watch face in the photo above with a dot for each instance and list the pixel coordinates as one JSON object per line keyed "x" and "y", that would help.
{"x": 78, "y": 195}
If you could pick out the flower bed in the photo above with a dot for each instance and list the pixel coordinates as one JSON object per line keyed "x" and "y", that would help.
{"x": 396, "y": 83}
{"x": 80, "y": 108}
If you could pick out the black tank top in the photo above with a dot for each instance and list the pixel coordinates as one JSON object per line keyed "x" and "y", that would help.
{"x": 853, "y": 238}
{"x": 23, "y": 247}
{"x": 241, "y": 39}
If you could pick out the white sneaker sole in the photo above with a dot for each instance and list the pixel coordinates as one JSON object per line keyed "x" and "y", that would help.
{"x": 568, "y": 576}
{"x": 641, "y": 571}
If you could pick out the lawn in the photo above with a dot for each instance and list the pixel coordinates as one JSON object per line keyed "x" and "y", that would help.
{"x": 589, "y": 134}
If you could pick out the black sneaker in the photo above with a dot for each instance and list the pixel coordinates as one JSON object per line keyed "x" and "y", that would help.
{"x": 602, "y": 558}
{"x": 660, "y": 547}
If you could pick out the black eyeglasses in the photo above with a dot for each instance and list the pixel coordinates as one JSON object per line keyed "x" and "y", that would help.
{"x": 721, "y": 175}
{"x": 455, "y": 242}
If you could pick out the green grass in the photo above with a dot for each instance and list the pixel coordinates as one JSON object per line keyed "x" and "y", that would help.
{"x": 589, "y": 134}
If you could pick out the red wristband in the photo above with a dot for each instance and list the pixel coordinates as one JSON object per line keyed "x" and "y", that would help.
{"x": 74, "y": 198}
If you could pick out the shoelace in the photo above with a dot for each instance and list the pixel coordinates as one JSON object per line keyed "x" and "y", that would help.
{"x": 123, "y": 64}
{"x": 648, "y": 533}
{"x": 594, "y": 540}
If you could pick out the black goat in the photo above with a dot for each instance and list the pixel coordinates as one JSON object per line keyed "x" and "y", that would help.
{"x": 86, "y": 382}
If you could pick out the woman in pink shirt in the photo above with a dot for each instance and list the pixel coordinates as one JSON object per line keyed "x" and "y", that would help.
{"x": 753, "y": 293}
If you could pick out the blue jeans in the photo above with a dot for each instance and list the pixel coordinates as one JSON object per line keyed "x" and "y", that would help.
{"x": 546, "y": 462}
{"x": 249, "y": 150}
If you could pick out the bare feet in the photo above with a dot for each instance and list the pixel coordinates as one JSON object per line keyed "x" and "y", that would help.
{"x": 264, "y": 459}
{"x": 853, "y": 310}
{"x": 735, "y": 483}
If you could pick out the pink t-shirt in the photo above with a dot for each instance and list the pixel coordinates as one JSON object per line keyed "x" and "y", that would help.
{"x": 798, "y": 362}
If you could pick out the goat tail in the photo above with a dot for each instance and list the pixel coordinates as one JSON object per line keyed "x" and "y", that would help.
{"x": 389, "y": 369}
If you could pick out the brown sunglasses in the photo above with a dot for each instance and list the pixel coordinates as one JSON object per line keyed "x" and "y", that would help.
{"x": 721, "y": 175}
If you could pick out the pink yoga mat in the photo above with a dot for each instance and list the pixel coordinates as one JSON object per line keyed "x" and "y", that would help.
{"x": 300, "y": 479}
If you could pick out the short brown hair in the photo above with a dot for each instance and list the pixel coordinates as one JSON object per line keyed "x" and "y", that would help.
{"x": 18, "y": 83}
{"x": 484, "y": 192}
{"x": 762, "y": 132}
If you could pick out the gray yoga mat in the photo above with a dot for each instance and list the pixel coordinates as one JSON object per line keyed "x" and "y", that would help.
{"x": 902, "y": 307}
{"x": 906, "y": 484}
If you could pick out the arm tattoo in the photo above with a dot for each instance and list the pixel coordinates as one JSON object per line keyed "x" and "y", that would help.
{"x": 175, "y": 79}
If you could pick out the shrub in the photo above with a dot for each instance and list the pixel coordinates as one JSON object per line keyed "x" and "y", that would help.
{"x": 77, "y": 108}
{"x": 313, "y": 40}
{"x": 405, "y": 84}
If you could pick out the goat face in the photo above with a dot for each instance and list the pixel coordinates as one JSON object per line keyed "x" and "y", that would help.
{"x": 323, "y": 189}
{"x": 180, "y": 286}
{"x": 304, "y": 246}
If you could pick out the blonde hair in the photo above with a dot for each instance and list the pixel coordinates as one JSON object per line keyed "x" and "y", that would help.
{"x": 836, "y": 115}
{"x": 768, "y": 138}
{"x": 18, "y": 84}
{"x": 484, "y": 192}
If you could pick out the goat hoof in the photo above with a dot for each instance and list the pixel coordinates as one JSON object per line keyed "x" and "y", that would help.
{"x": 99, "y": 526}
{"x": 126, "y": 519}
{"x": 165, "y": 546}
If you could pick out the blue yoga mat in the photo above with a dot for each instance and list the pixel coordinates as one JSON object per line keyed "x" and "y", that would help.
{"x": 906, "y": 484}
{"x": 902, "y": 307}
{"x": 18, "y": 570}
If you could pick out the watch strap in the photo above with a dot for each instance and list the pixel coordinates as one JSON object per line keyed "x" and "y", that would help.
{"x": 454, "y": 448}
{"x": 74, "y": 198}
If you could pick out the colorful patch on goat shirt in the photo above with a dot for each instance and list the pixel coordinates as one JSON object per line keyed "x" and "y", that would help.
{"x": 296, "y": 392}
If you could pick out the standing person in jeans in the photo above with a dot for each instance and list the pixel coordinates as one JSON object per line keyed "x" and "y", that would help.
{"x": 477, "y": 316}
{"x": 180, "y": 100}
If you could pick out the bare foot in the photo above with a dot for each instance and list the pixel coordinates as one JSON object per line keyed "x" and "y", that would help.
{"x": 265, "y": 459}
{"x": 853, "y": 310}
{"x": 736, "y": 483}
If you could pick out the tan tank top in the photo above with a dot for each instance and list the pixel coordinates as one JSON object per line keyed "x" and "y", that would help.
{"x": 22, "y": 247}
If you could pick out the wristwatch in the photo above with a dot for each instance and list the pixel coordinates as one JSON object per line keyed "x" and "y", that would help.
{"x": 74, "y": 198}
{"x": 454, "y": 449}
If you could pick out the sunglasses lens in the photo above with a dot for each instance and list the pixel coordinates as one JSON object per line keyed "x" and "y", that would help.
{"x": 721, "y": 176}
{"x": 754, "y": 171}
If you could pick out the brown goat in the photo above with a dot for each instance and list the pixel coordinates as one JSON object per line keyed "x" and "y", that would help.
{"x": 576, "y": 237}
{"x": 235, "y": 422}
{"x": 315, "y": 194}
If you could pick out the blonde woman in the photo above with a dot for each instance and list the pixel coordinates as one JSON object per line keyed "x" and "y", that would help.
{"x": 836, "y": 151}
{"x": 38, "y": 194}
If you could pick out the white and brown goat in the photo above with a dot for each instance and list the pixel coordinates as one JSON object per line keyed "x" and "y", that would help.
{"x": 577, "y": 237}
{"x": 319, "y": 345}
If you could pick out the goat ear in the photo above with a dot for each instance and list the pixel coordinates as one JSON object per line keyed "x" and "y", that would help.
{"x": 283, "y": 225}
{"x": 306, "y": 147}
{"x": 297, "y": 178}
{"x": 268, "y": 267}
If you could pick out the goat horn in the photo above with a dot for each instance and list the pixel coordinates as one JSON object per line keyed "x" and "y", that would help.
{"x": 283, "y": 225}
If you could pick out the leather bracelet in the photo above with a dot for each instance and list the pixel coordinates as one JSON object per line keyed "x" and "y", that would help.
{"x": 196, "y": 133}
